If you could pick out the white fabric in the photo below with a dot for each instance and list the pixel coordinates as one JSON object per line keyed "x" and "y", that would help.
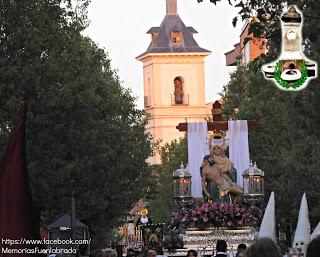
{"x": 197, "y": 149}
{"x": 239, "y": 146}
{"x": 268, "y": 225}
{"x": 302, "y": 234}
{"x": 316, "y": 232}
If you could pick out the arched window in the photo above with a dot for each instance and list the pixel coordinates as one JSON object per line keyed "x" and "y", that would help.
{"x": 178, "y": 90}
{"x": 147, "y": 96}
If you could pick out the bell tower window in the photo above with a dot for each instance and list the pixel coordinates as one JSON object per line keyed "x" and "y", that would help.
{"x": 178, "y": 90}
{"x": 176, "y": 37}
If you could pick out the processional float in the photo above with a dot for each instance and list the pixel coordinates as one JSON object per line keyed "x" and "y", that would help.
{"x": 220, "y": 215}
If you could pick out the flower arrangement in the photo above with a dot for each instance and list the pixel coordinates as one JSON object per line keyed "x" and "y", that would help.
{"x": 216, "y": 214}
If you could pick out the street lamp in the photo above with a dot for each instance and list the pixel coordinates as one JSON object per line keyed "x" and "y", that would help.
{"x": 253, "y": 184}
{"x": 182, "y": 187}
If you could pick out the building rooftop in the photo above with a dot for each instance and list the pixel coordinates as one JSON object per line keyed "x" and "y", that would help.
{"x": 173, "y": 36}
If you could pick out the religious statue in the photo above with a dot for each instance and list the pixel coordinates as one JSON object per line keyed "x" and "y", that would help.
{"x": 178, "y": 91}
{"x": 216, "y": 168}
{"x": 144, "y": 219}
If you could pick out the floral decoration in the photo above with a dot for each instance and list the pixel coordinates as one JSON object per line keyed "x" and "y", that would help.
{"x": 215, "y": 214}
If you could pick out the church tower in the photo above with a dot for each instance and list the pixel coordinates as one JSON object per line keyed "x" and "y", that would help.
{"x": 173, "y": 73}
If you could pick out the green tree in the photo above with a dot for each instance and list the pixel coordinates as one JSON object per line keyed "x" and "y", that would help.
{"x": 286, "y": 145}
{"x": 84, "y": 132}
{"x": 162, "y": 203}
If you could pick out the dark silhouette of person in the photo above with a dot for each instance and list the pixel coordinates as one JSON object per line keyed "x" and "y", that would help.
{"x": 263, "y": 247}
{"x": 313, "y": 249}
{"x": 221, "y": 248}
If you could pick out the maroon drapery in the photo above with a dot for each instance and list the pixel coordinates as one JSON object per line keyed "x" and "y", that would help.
{"x": 16, "y": 215}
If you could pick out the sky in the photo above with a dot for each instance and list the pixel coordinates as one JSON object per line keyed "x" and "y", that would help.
{"x": 120, "y": 26}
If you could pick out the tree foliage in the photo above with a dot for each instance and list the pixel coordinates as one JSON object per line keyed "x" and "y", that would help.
{"x": 84, "y": 133}
{"x": 162, "y": 203}
{"x": 287, "y": 144}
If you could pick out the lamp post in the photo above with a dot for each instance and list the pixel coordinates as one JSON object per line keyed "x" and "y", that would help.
{"x": 253, "y": 184}
{"x": 182, "y": 187}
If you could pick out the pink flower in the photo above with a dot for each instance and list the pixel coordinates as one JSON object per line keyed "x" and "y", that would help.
{"x": 237, "y": 212}
{"x": 211, "y": 215}
{"x": 214, "y": 205}
{"x": 206, "y": 207}
{"x": 194, "y": 215}
{"x": 205, "y": 218}
{"x": 194, "y": 218}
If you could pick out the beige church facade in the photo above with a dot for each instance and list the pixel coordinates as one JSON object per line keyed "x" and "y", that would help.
{"x": 173, "y": 73}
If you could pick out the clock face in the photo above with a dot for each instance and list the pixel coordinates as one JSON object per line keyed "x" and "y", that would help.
{"x": 291, "y": 35}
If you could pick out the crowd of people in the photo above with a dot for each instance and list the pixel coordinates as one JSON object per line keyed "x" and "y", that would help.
{"x": 263, "y": 247}
{"x": 221, "y": 250}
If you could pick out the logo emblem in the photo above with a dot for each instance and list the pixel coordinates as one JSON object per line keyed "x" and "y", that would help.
{"x": 293, "y": 70}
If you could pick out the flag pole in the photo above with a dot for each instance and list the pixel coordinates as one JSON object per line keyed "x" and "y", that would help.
{"x": 73, "y": 216}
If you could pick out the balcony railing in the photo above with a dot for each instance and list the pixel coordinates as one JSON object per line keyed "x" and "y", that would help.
{"x": 185, "y": 100}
